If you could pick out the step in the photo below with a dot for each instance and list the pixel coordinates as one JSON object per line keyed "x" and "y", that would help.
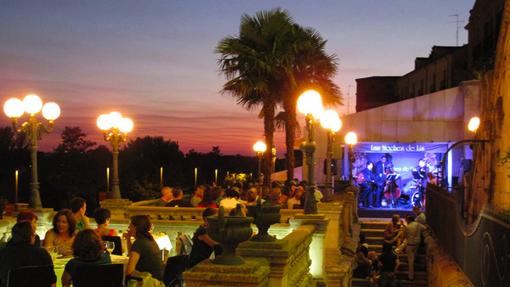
{"x": 418, "y": 275}
{"x": 403, "y": 283}
{"x": 374, "y": 224}
{"x": 370, "y": 232}
{"x": 374, "y": 239}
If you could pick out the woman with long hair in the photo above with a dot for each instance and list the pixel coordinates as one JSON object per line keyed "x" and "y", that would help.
{"x": 60, "y": 238}
{"x": 144, "y": 253}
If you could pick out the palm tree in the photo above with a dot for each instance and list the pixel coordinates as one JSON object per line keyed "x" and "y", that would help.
{"x": 310, "y": 67}
{"x": 252, "y": 65}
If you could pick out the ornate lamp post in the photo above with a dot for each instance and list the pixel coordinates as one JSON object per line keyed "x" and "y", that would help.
{"x": 332, "y": 123}
{"x": 259, "y": 148}
{"x": 351, "y": 138}
{"x": 309, "y": 104}
{"x": 14, "y": 108}
{"x": 115, "y": 129}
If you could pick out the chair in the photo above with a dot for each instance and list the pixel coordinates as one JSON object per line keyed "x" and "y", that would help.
{"x": 118, "y": 243}
{"x": 106, "y": 275}
{"x": 29, "y": 276}
{"x": 174, "y": 268}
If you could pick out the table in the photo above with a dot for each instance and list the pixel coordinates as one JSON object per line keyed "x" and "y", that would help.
{"x": 60, "y": 263}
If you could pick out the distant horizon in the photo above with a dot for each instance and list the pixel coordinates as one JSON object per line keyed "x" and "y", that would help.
{"x": 155, "y": 63}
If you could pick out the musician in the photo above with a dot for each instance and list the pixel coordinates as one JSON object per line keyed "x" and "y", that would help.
{"x": 380, "y": 178}
{"x": 367, "y": 184}
{"x": 420, "y": 174}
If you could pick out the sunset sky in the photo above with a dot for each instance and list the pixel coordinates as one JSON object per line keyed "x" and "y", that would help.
{"x": 154, "y": 61}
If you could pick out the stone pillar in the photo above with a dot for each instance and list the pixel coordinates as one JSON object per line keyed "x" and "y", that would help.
{"x": 316, "y": 250}
{"x": 288, "y": 258}
{"x": 253, "y": 273}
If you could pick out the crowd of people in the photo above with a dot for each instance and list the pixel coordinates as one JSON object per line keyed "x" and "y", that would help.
{"x": 398, "y": 238}
{"x": 72, "y": 234}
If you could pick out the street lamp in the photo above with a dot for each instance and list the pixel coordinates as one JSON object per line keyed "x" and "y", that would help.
{"x": 32, "y": 104}
{"x": 309, "y": 104}
{"x": 115, "y": 129}
{"x": 351, "y": 138}
{"x": 332, "y": 123}
{"x": 260, "y": 148}
{"x": 473, "y": 125}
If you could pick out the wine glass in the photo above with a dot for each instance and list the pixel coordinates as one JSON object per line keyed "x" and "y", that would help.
{"x": 109, "y": 245}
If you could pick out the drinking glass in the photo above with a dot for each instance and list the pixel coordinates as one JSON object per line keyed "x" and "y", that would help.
{"x": 109, "y": 245}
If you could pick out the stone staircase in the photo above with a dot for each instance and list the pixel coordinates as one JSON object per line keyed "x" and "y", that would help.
{"x": 373, "y": 230}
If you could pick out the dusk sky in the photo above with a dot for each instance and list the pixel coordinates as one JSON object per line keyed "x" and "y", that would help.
{"x": 154, "y": 61}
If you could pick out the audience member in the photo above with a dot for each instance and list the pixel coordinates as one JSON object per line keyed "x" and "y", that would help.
{"x": 420, "y": 216}
{"x": 203, "y": 245}
{"x": 389, "y": 265}
{"x": 102, "y": 217}
{"x": 413, "y": 233}
{"x": 210, "y": 196}
{"x": 394, "y": 231}
{"x": 166, "y": 196}
{"x": 88, "y": 249}
{"x": 295, "y": 202}
{"x": 364, "y": 265}
{"x": 60, "y": 237}
{"x": 230, "y": 200}
{"x": 79, "y": 208}
{"x": 197, "y": 196}
{"x": 29, "y": 216}
{"x": 144, "y": 253}
{"x": 178, "y": 198}
{"x": 20, "y": 251}
{"x": 251, "y": 196}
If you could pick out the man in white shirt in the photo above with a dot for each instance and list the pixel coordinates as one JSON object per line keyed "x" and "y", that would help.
{"x": 420, "y": 216}
{"x": 411, "y": 242}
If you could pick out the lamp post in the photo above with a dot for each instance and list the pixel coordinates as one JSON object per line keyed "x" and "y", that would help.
{"x": 332, "y": 123}
{"x": 351, "y": 138}
{"x": 309, "y": 104}
{"x": 473, "y": 125}
{"x": 115, "y": 129}
{"x": 32, "y": 104}
{"x": 259, "y": 148}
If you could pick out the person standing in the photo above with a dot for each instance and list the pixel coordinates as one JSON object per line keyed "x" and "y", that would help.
{"x": 79, "y": 208}
{"x": 412, "y": 233}
{"x": 367, "y": 184}
{"x": 380, "y": 178}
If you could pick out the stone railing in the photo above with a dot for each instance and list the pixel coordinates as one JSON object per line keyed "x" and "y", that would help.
{"x": 288, "y": 258}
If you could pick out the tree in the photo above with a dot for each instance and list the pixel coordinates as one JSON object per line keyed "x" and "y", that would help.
{"x": 252, "y": 65}
{"x": 73, "y": 141}
{"x": 308, "y": 66}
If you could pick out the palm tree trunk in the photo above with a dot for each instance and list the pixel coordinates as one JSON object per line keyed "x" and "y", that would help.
{"x": 268, "y": 107}
{"x": 290, "y": 135}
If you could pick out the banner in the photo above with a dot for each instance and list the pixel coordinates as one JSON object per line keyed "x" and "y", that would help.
{"x": 388, "y": 147}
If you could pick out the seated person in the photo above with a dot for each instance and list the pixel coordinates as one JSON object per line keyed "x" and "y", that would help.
{"x": 295, "y": 201}
{"x": 364, "y": 264}
{"x": 79, "y": 208}
{"x": 144, "y": 253}
{"x": 198, "y": 195}
{"x": 29, "y": 216}
{"x": 203, "y": 245}
{"x": 88, "y": 248}
{"x": 20, "y": 251}
{"x": 60, "y": 238}
{"x": 230, "y": 200}
{"x": 394, "y": 231}
{"x": 102, "y": 217}
{"x": 166, "y": 196}
{"x": 211, "y": 194}
{"x": 178, "y": 199}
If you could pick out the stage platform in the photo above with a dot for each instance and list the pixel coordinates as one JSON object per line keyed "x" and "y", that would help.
{"x": 383, "y": 212}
